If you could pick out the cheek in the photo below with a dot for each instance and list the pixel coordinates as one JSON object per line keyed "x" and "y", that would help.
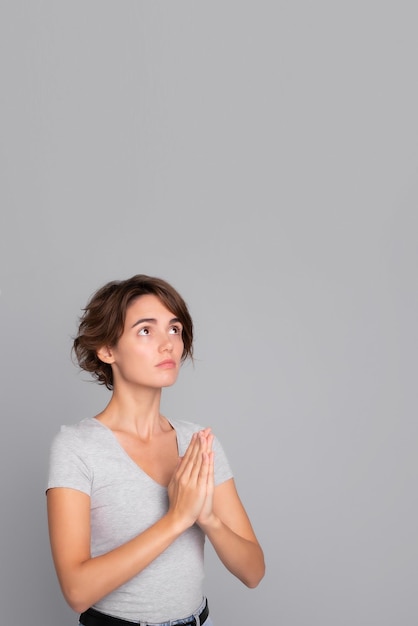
{"x": 134, "y": 351}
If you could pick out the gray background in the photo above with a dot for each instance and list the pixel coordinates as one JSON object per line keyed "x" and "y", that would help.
{"x": 263, "y": 158}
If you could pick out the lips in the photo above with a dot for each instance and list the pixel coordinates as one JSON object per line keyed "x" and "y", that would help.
{"x": 167, "y": 364}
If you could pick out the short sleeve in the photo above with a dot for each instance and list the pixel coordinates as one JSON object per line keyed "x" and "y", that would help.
{"x": 68, "y": 465}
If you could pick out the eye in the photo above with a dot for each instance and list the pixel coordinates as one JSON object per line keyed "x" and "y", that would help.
{"x": 143, "y": 331}
{"x": 175, "y": 330}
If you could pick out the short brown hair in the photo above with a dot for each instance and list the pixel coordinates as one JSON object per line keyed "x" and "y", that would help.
{"x": 103, "y": 320}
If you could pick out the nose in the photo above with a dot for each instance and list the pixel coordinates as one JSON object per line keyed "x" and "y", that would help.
{"x": 166, "y": 343}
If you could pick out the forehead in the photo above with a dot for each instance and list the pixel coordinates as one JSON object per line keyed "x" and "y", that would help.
{"x": 147, "y": 306}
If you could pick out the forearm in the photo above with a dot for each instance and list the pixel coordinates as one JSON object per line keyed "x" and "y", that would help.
{"x": 242, "y": 557}
{"x": 90, "y": 580}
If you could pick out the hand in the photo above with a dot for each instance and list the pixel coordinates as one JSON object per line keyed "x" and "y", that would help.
{"x": 188, "y": 487}
{"x": 206, "y": 513}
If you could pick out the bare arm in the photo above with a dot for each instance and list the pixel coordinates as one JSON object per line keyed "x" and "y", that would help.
{"x": 83, "y": 579}
{"x": 226, "y": 524}
{"x": 231, "y": 534}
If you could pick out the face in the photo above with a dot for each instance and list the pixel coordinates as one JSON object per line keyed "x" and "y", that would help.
{"x": 149, "y": 351}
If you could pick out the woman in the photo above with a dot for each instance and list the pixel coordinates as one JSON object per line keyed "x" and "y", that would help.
{"x": 131, "y": 494}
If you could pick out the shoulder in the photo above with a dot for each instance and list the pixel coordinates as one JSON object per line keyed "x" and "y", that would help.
{"x": 71, "y": 454}
{"x": 78, "y": 434}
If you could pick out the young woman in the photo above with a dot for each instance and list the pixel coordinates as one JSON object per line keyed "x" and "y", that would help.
{"x": 132, "y": 494}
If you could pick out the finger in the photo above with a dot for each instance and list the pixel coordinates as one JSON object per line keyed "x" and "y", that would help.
{"x": 197, "y": 460}
{"x": 206, "y": 433}
{"x": 184, "y": 460}
{"x": 189, "y": 450}
{"x": 210, "y": 440}
{"x": 203, "y": 475}
{"x": 192, "y": 449}
{"x": 191, "y": 457}
{"x": 211, "y": 470}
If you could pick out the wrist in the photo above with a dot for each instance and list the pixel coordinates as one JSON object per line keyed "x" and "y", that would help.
{"x": 175, "y": 523}
{"x": 178, "y": 522}
{"x": 210, "y": 523}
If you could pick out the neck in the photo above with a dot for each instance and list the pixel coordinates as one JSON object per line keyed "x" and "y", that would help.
{"x": 134, "y": 412}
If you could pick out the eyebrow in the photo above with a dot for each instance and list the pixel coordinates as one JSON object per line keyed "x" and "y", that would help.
{"x": 152, "y": 320}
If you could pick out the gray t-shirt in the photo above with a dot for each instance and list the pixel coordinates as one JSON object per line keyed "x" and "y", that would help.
{"x": 124, "y": 502}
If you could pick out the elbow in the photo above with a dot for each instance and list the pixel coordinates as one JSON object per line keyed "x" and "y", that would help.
{"x": 76, "y": 600}
{"x": 253, "y": 579}
{"x": 77, "y": 605}
{"x": 253, "y": 583}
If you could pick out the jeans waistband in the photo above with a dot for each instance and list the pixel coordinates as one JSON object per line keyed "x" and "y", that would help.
{"x": 92, "y": 617}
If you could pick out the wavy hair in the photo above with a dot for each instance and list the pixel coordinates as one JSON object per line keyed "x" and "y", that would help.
{"x": 103, "y": 321}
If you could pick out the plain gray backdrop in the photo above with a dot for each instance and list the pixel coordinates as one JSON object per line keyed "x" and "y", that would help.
{"x": 262, "y": 157}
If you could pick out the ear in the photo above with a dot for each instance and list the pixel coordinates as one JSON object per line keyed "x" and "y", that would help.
{"x": 105, "y": 354}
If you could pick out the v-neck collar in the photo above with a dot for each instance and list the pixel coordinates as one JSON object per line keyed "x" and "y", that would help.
{"x": 127, "y": 456}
